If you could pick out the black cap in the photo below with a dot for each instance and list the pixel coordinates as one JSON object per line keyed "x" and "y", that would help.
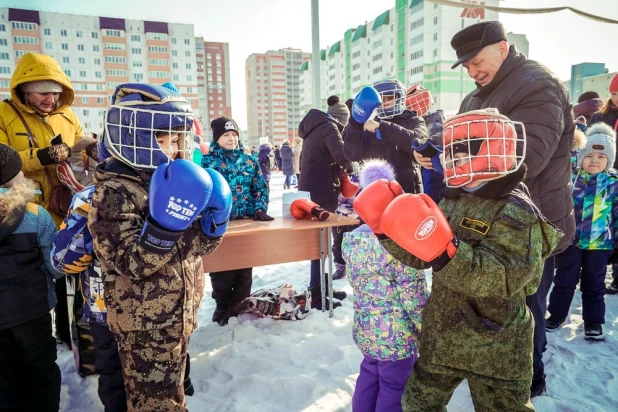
{"x": 221, "y": 125}
{"x": 10, "y": 163}
{"x": 468, "y": 42}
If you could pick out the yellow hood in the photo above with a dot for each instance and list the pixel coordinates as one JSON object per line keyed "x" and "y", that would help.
{"x": 35, "y": 67}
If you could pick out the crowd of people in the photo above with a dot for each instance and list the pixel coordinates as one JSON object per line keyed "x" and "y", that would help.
{"x": 119, "y": 222}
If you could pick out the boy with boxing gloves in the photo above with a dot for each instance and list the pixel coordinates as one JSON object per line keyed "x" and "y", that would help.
{"x": 486, "y": 245}
{"x": 154, "y": 213}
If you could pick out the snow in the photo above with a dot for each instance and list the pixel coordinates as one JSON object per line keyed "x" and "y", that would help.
{"x": 312, "y": 365}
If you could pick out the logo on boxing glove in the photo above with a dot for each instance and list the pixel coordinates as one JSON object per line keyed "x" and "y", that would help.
{"x": 180, "y": 209}
{"x": 426, "y": 228}
{"x": 358, "y": 110}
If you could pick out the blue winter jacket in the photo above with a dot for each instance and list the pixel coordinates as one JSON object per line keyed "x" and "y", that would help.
{"x": 242, "y": 172}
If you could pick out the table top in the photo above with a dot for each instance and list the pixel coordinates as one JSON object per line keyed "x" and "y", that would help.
{"x": 244, "y": 226}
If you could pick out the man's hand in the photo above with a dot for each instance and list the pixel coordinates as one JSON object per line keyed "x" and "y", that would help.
{"x": 371, "y": 126}
{"x": 423, "y": 161}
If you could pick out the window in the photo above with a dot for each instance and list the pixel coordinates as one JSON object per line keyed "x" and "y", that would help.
{"x": 113, "y": 33}
{"x": 138, "y": 77}
{"x": 156, "y": 36}
{"x": 377, "y": 44}
{"x": 435, "y": 52}
{"x": 218, "y": 56}
{"x": 115, "y": 59}
{"x": 189, "y": 78}
{"x": 100, "y": 99}
{"x": 99, "y": 86}
{"x": 188, "y": 53}
{"x": 158, "y": 74}
{"x": 82, "y": 73}
{"x": 68, "y": 72}
{"x": 174, "y": 65}
{"x": 84, "y": 86}
{"x": 136, "y": 50}
{"x": 23, "y": 26}
{"x": 137, "y": 63}
{"x": 377, "y": 57}
{"x": 86, "y": 111}
{"x": 416, "y": 55}
{"x": 2, "y": 27}
{"x": 97, "y": 62}
{"x": 5, "y": 56}
{"x": 98, "y": 75}
{"x": 5, "y": 84}
{"x": 95, "y": 48}
{"x": 136, "y": 37}
{"x": 356, "y": 78}
{"x": 173, "y": 40}
{"x": 188, "y": 66}
{"x": 79, "y": 33}
{"x": 95, "y": 35}
{"x": 174, "y": 53}
{"x": 435, "y": 37}
{"x": 82, "y": 60}
{"x": 377, "y": 70}
{"x": 25, "y": 40}
{"x": 187, "y": 41}
{"x": 48, "y": 44}
{"x": 417, "y": 23}
{"x": 80, "y": 47}
{"x": 87, "y": 125}
{"x": 115, "y": 72}
{"x": 159, "y": 62}
{"x": 356, "y": 54}
{"x": 65, "y": 59}
{"x": 47, "y": 32}
{"x": 435, "y": 20}
{"x": 189, "y": 89}
{"x": 416, "y": 40}
{"x": 175, "y": 77}
{"x": 157, "y": 49}
{"x": 85, "y": 101}
{"x": 113, "y": 46}
{"x": 63, "y": 33}
{"x": 20, "y": 53}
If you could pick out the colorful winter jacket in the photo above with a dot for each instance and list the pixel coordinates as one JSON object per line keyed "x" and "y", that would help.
{"x": 73, "y": 254}
{"x": 595, "y": 202}
{"x": 242, "y": 172}
{"x": 26, "y": 275}
{"x": 388, "y": 298}
{"x": 144, "y": 291}
{"x": 476, "y": 322}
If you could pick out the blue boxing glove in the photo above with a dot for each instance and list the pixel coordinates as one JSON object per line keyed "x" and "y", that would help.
{"x": 428, "y": 149}
{"x": 365, "y": 102}
{"x": 216, "y": 214}
{"x": 178, "y": 191}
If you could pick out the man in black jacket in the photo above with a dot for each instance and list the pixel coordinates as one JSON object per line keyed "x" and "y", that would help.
{"x": 527, "y": 92}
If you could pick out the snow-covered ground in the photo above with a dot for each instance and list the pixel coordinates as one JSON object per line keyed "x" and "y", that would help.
{"x": 312, "y": 365}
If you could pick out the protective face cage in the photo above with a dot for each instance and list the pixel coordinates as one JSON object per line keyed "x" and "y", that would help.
{"x": 138, "y": 117}
{"x": 393, "y": 95}
{"x": 501, "y": 150}
{"x": 418, "y": 99}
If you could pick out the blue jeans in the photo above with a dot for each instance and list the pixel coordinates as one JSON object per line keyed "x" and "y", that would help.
{"x": 288, "y": 180}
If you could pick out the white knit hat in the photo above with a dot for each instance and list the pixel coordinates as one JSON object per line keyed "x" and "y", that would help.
{"x": 601, "y": 139}
{"x": 41, "y": 86}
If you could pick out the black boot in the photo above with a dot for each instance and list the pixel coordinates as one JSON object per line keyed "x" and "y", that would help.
{"x": 219, "y": 313}
{"x": 337, "y": 294}
{"x": 187, "y": 385}
{"x": 316, "y": 299}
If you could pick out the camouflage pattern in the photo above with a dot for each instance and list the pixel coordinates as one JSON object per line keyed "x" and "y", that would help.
{"x": 476, "y": 325}
{"x": 146, "y": 294}
{"x": 153, "y": 364}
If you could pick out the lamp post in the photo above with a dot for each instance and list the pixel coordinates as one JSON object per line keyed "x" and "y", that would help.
{"x": 315, "y": 55}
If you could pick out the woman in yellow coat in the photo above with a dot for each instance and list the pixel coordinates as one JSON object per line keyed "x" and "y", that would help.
{"x": 42, "y": 93}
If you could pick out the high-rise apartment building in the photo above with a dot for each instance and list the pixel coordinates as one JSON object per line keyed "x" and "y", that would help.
{"x": 99, "y": 53}
{"x": 213, "y": 81}
{"x": 411, "y": 43}
{"x": 273, "y": 94}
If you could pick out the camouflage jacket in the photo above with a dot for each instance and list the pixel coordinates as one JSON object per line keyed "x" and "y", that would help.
{"x": 143, "y": 290}
{"x": 476, "y": 320}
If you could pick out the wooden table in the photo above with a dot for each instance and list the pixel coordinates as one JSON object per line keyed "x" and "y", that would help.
{"x": 250, "y": 243}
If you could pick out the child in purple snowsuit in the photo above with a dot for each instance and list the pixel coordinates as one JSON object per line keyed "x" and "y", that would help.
{"x": 388, "y": 302}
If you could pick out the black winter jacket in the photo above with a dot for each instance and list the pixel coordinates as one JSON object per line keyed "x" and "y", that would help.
{"x": 526, "y": 91}
{"x": 395, "y": 147}
{"x": 322, "y": 158}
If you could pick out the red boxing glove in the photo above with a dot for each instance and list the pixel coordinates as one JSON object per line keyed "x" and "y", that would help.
{"x": 348, "y": 188}
{"x": 372, "y": 200}
{"x": 305, "y": 209}
{"x": 416, "y": 223}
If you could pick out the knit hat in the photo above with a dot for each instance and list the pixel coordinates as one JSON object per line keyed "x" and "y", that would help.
{"x": 468, "y": 42}
{"x": 613, "y": 85}
{"x": 10, "y": 163}
{"x": 338, "y": 110}
{"x": 41, "y": 86}
{"x": 601, "y": 139}
{"x": 221, "y": 125}
{"x": 587, "y": 96}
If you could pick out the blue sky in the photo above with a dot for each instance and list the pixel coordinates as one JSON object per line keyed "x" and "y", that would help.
{"x": 254, "y": 26}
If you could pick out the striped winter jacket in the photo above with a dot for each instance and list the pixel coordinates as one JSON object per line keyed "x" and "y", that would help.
{"x": 595, "y": 199}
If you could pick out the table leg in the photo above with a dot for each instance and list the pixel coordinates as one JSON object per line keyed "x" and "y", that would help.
{"x": 329, "y": 253}
{"x": 322, "y": 257}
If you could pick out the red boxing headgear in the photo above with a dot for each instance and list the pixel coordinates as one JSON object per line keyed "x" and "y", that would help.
{"x": 418, "y": 99}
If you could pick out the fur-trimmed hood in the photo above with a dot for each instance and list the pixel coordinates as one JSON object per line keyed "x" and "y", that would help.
{"x": 374, "y": 169}
{"x": 13, "y": 205}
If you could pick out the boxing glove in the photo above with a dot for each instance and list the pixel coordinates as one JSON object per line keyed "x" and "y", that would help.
{"x": 348, "y": 188}
{"x": 178, "y": 191}
{"x": 305, "y": 209}
{"x": 216, "y": 215}
{"x": 365, "y": 102}
{"x": 373, "y": 199}
{"x": 428, "y": 149}
{"x": 416, "y": 223}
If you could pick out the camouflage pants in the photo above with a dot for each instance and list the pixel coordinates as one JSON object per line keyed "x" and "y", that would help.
{"x": 430, "y": 391}
{"x": 153, "y": 366}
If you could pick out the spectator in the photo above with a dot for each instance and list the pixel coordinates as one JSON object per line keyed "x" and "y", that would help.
{"x": 264, "y": 159}
{"x": 287, "y": 163}
{"x": 297, "y": 146}
{"x": 277, "y": 152}
{"x": 587, "y": 104}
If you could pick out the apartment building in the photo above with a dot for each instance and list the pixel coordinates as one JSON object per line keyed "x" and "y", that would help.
{"x": 273, "y": 94}
{"x": 213, "y": 82}
{"x": 411, "y": 43}
{"x": 99, "y": 53}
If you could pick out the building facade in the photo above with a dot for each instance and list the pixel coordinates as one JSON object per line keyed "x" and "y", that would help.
{"x": 411, "y": 43}
{"x": 273, "y": 94}
{"x": 579, "y": 72}
{"x": 99, "y": 53}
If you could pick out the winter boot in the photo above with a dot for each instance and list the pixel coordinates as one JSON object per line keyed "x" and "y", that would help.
{"x": 340, "y": 272}
{"x": 316, "y": 299}
{"x": 219, "y": 313}
{"x": 337, "y": 294}
{"x": 612, "y": 288}
{"x": 538, "y": 388}
{"x": 552, "y": 323}
{"x": 593, "y": 331}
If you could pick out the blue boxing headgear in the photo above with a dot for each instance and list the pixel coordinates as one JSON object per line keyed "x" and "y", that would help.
{"x": 393, "y": 95}
{"x": 139, "y": 112}
{"x": 102, "y": 151}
